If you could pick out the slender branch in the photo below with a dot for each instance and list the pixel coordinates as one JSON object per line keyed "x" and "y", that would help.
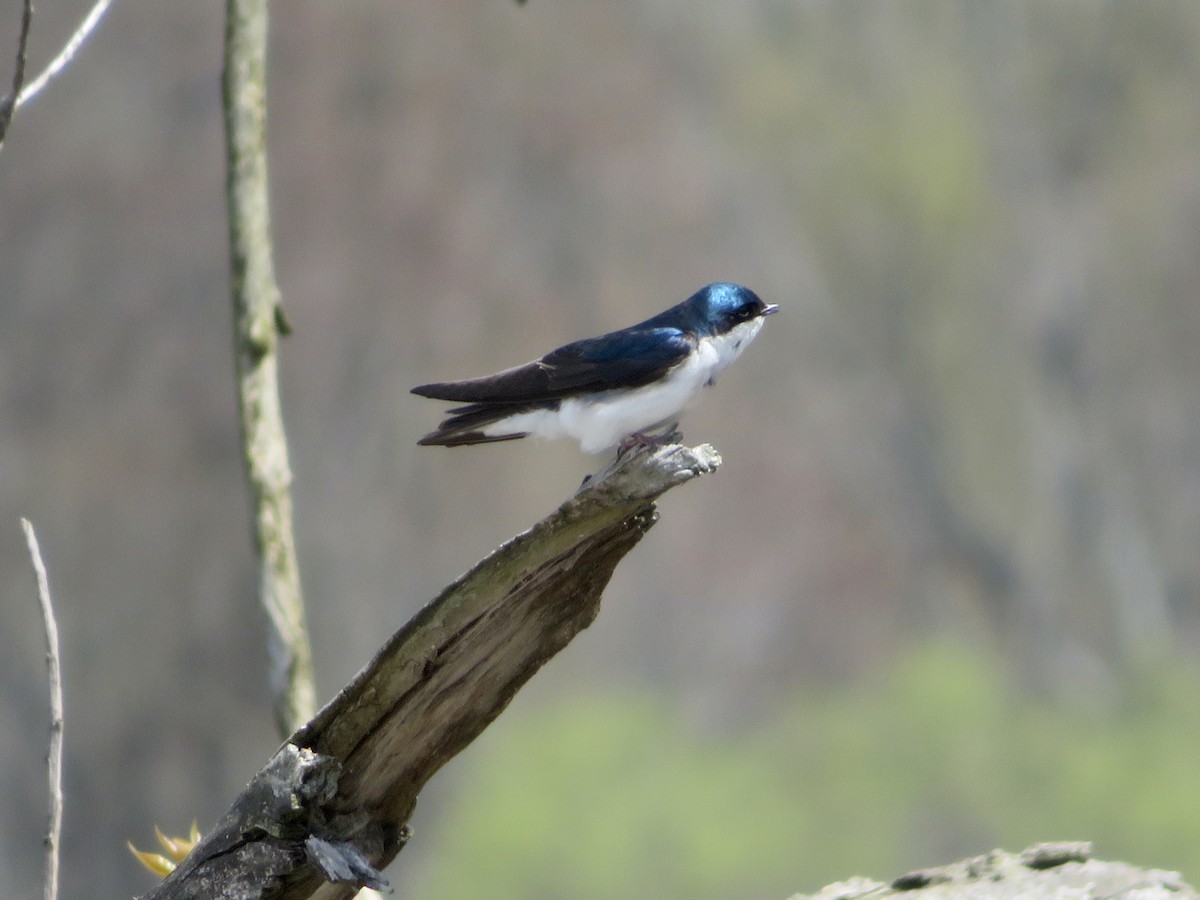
{"x": 9, "y": 104}
{"x": 67, "y": 53}
{"x": 257, "y": 319}
{"x": 54, "y": 759}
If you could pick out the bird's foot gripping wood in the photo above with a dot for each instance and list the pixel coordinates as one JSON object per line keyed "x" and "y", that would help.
{"x": 639, "y": 441}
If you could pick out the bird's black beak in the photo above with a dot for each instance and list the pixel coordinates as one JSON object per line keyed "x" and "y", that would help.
{"x": 770, "y": 309}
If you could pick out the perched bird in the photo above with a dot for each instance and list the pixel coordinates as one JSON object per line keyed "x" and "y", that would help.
{"x": 612, "y": 390}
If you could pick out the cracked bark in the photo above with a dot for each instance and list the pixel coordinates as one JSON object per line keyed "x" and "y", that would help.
{"x": 334, "y": 800}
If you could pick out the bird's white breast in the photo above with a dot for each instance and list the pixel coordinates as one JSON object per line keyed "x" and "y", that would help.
{"x": 600, "y": 421}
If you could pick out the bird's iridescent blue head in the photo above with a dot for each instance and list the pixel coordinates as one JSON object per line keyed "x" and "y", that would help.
{"x": 722, "y": 306}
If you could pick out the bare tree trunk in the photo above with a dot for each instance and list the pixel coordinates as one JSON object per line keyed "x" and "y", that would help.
{"x": 258, "y": 323}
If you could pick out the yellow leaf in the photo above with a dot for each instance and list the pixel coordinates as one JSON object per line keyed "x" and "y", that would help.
{"x": 178, "y": 847}
{"x": 155, "y": 862}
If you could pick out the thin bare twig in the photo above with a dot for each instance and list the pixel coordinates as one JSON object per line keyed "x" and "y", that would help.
{"x": 257, "y": 326}
{"x": 54, "y": 759}
{"x": 60, "y": 62}
{"x": 10, "y": 101}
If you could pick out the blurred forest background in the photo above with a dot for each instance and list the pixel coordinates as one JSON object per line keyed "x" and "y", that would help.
{"x": 944, "y": 593}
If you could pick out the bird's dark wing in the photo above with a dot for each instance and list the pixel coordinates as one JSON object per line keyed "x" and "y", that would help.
{"x": 464, "y": 426}
{"x": 621, "y": 359}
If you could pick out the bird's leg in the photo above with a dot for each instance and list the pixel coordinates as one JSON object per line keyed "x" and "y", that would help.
{"x": 671, "y": 434}
{"x": 641, "y": 441}
{"x": 637, "y": 440}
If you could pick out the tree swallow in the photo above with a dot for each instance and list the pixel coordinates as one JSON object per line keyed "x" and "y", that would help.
{"x": 607, "y": 391}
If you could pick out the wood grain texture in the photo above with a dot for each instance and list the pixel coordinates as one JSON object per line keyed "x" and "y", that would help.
{"x": 347, "y": 782}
